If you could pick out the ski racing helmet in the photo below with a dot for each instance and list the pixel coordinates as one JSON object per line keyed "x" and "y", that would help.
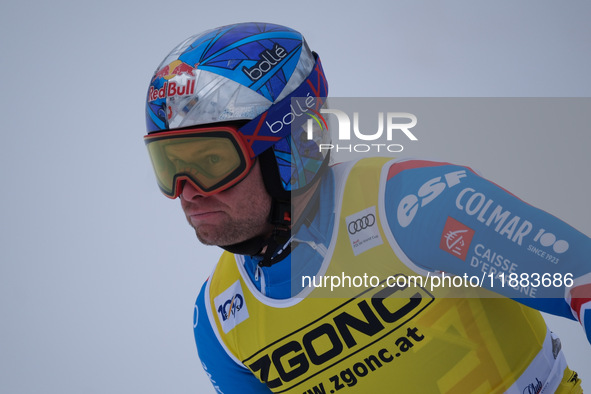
{"x": 232, "y": 95}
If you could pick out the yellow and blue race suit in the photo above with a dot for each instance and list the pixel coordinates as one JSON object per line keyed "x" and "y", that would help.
{"x": 288, "y": 329}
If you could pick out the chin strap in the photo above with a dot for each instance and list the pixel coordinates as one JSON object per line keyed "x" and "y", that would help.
{"x": 278, "y": 245}
{"x": 251, "y": 247}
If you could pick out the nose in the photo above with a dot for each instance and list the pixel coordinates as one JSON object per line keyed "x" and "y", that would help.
{"x": 190, "y": 192}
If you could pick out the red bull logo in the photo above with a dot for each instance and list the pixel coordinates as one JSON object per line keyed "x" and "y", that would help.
{"x": 173, "y": 69}
{"x": 184, "y": 86}
{"x": 171, "y": 89}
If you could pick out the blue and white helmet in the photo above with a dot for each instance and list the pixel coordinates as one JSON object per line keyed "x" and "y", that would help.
{"x": 247, "y": 72}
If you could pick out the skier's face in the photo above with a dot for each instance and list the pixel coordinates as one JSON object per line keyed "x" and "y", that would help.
{"x": 231, "y": 216}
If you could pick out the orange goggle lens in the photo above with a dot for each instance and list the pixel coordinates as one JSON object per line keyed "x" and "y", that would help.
{"x": 212, "y": 159}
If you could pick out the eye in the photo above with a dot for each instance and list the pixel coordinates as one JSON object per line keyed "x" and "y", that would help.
{"x": 213, "y": 159}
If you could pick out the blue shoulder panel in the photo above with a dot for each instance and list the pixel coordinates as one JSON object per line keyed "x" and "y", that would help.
{"x": 225, "y": 375}
{"x": 447, "y": 218}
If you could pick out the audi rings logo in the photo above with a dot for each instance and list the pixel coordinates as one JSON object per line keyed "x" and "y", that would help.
{"x": 362, "y": 223}
{"x": 363, "y": 230}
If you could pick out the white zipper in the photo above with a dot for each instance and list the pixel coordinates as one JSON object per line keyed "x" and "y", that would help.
{"x": 259, "y": 275}
{"x": 320, "y": 248}
{"x": 262, "y": 276}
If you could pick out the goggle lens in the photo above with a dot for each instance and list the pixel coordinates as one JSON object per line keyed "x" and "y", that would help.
{"x": 211, "y": 159}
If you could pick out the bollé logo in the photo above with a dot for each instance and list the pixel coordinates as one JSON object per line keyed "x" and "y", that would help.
{"x": 267, "y": 60}
{"x": 298, "y": 107}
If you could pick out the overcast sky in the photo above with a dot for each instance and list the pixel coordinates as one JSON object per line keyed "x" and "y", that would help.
{"x": 99, "y": 271}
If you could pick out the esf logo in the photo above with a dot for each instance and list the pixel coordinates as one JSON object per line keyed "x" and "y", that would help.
{"x": 410, "y": 204}
{"x": 361, "y": 223}
{"x": 230, "y": 307}
{"x": 388, "y": 125}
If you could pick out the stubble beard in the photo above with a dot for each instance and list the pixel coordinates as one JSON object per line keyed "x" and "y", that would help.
{"x": 232, "y": 231}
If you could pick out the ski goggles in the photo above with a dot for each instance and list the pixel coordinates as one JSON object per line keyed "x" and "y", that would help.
{"x": 212, "y": 159}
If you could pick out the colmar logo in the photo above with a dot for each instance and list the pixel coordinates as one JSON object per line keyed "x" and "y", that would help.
{"x": 456, "y": 238}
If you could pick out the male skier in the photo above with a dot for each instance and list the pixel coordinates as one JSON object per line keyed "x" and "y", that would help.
{"x": 225, "y": 114}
